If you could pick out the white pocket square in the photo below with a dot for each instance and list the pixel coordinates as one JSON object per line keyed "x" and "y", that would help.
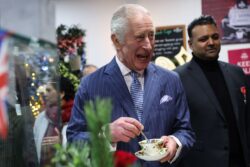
{"x": 165, "y": 98}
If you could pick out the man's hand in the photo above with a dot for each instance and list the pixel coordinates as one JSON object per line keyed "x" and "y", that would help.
{"x": 124, "y": 129}
{"x": 171, "y": 145}
{"x": 51, "y": 140}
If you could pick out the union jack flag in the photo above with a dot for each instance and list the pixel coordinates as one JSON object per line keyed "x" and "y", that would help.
{"x": 3, "y": 84}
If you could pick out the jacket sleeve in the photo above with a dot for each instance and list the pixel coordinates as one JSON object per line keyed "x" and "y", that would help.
{"x": 77, "y": 128}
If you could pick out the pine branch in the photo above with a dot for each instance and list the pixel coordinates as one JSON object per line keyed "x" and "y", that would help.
{"x": 98, "y": 115}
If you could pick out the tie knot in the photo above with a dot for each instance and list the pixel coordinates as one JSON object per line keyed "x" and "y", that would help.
{"x": 134, "y": 74}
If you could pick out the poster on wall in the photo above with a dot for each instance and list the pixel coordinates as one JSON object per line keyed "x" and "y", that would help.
{"x": 170, "y": 46}
{"x": 232, "y": 17}
{"x": 169, "y": 40}
{"x": 240, "y": 57}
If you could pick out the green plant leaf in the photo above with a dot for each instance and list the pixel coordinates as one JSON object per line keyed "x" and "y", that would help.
{"x": 96, "y": 153}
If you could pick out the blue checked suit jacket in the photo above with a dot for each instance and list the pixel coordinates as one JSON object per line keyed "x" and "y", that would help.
{"x": 167, "y": 116}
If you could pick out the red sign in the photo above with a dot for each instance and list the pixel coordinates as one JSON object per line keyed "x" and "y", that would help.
{"x": 240, "y": 58}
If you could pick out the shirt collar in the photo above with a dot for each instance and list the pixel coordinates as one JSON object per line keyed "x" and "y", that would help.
{"x": 125, "y": 70}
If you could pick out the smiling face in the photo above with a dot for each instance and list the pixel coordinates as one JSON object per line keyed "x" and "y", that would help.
{"x": 137, "y": 49}
{"x": 205, "y": 42}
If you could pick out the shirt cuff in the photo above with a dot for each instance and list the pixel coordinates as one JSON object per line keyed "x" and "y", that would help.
{"x": 178, "y": 149}
{"x": 113, "y": 147}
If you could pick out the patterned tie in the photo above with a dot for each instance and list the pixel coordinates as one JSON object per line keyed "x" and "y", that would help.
{"x": 137, "y": 94}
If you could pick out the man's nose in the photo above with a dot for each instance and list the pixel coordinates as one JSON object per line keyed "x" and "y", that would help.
{"x": 210, "y": 41}
{"x": 147, "y": 44}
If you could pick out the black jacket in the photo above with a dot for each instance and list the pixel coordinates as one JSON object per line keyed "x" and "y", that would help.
{"x": 207, "y": 118}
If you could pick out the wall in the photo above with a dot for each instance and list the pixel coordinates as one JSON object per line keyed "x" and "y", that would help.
{"x": 34, "y": 18}
{"x": 94, "y": 16}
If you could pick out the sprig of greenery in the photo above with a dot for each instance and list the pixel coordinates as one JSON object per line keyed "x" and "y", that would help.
{"x": 95, "y": 153}
{"x": 73, "y": 155}
{"x": 98, "y": 115}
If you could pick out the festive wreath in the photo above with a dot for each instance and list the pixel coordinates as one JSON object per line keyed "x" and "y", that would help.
{"x": 70, "y": 40}
{"x": 70, "y": 44}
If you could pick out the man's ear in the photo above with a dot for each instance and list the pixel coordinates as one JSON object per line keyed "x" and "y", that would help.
{"x": 116, "y": 42}
{"x": 190, "y": 44}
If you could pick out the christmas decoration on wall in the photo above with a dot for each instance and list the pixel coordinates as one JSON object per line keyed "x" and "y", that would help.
{"x": 70, "y": 42}
{"x": 64, "y": 71}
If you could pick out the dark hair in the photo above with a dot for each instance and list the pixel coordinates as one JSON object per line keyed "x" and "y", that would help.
{"x": 65, "y": 86}
{"x": 87, "y": 69}
{"x": 202, "y": 20}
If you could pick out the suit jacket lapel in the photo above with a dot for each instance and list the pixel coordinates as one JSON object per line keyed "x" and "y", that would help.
{"x": 151, "y": 82}
{"x": 199, "y": 76}
{"x": 231, "y": 88}
{"x": 119, "y": 88}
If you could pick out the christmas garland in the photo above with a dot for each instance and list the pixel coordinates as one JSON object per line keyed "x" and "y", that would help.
{"x": 70, "y": 40}
{"x": 64, "y": 71}
{"x": 70, "y": 43}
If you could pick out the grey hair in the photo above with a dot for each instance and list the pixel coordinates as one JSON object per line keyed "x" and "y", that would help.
{"x": 121, "y": 17}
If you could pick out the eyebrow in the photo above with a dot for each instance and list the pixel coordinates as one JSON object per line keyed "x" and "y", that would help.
{"x": 205, "y": 36}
